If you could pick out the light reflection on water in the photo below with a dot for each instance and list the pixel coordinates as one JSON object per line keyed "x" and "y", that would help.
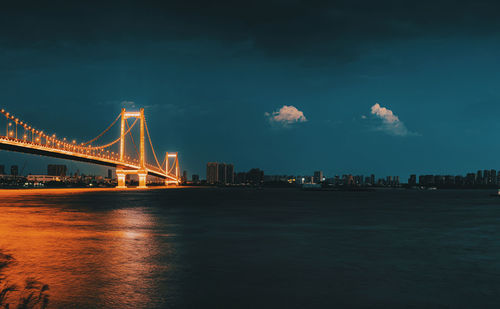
{"x": 93, "y": 258}
{"x": 248, "y": 248}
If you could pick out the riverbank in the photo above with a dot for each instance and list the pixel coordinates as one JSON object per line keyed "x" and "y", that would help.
{"x": 10, "y": 192}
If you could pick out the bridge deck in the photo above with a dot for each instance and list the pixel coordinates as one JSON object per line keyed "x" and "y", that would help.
{"x": 12, "y": 144}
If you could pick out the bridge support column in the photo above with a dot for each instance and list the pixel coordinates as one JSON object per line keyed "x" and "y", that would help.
{"x": 142, "y": 180}
{"x": 121, "y": 173}
{"x": 121, "y": 180}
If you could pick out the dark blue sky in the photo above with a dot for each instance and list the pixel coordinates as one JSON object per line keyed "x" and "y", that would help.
{"x": 213, "y": 77}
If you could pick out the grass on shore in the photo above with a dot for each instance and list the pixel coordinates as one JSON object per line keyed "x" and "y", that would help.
{"x": 32, "y": 295}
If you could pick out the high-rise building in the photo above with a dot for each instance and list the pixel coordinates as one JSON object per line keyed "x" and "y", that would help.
{"x": 195, "y": 178}
{"x": 358, "y": 180}
{"x": 110, "y": 174}
{"x": 56, "y": 170}
{"x": 486, "y": 177}
{"x": 14, "y": 170}
{"x": 255, "y": 176}
{"x": 184, "y": 177}
{"x": 212, "y": 172}
{"x": 2, "y": 169}
{"x": 412, "y": 181}
{"x": 372, "y": 179}
{"x": 229, "y": 173}
{"x": 470, "y": 179}
{"x": 439, "y": 180}
{"x": 222, "y": 173}
{"x": 426, "y": 180}
{"x": 318, "y": 176}
{"x": 241, "y": 178}
{"x": 449, "y": 180}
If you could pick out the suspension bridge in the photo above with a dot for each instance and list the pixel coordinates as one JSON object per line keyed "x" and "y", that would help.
{"x": 22, "y": 137}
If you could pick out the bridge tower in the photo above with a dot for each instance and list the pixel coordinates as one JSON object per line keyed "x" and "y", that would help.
{"x": 121, "y": 172}
{"x": 172, "y": 166}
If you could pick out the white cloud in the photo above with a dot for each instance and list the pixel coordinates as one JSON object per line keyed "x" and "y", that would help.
{"x": 286, "y": 115}
{"x": 391, "y": 124}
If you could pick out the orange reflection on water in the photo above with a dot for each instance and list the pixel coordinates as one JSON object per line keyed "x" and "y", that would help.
{"x": 91, "y": 258}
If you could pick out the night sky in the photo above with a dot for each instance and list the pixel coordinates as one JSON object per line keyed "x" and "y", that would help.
{"x": 384, "y": 87}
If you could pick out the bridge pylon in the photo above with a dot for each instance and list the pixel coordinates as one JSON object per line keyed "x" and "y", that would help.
{"x": 172, "y": 165}
{"x": 142, "y": 172}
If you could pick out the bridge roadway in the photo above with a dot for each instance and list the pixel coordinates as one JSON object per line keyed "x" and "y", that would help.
{"x": 17, "y": 145}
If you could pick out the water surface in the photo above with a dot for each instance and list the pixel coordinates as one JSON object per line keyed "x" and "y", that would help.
{"x": 247, "y": 248}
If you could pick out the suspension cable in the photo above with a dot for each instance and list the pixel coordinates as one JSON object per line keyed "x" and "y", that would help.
{"x": 103, "y": 132}
{"x": 150, "y": 143}
{"x": 164, "y": 161}
{"x": 132, "y": 138}
{"x": 116, "y": 140}
{"x": 171, "y": 168}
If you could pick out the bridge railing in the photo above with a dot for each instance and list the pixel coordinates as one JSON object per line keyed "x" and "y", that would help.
{"x": 101, "y": 154}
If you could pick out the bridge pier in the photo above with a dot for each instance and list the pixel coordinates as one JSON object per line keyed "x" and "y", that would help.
{"x": 122, "y": 173}
{"x": 142, "y": 180}
{"x": 120, "y": 177}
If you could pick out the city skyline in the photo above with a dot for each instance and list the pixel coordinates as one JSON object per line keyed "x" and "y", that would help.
{"x": 83, "y": 168}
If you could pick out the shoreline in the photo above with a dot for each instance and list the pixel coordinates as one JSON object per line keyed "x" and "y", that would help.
{"x": 31, "y": 191}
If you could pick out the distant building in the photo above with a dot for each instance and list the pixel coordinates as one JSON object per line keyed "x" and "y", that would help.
{"x": 220, "y": 173}
{"x": 14, "y": 170}
{"x": 229, "y": 173}
{"x": 184, "y": 177}
{"x": 212, "y": 172}
{"x": 195, "y": 178}
{"x": 479, "y": 178}
{"x": 110, "y": 174}
{"x": 486, "y": 177}
{"x": 2, "y": 169}
{"x": 42, "y": 178}
{"x": 240, "y": 178}
{"x": 412, "y": 181}
{"x": 318, "y": 176}
{"x": 358, "y": 180}
{"x": 449, "y": 180}
{"x": 56, "y": 170}
{"x": 470, "y": 179}
{"x": 255, "y": 176}
{"x": 426, "y": 180}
